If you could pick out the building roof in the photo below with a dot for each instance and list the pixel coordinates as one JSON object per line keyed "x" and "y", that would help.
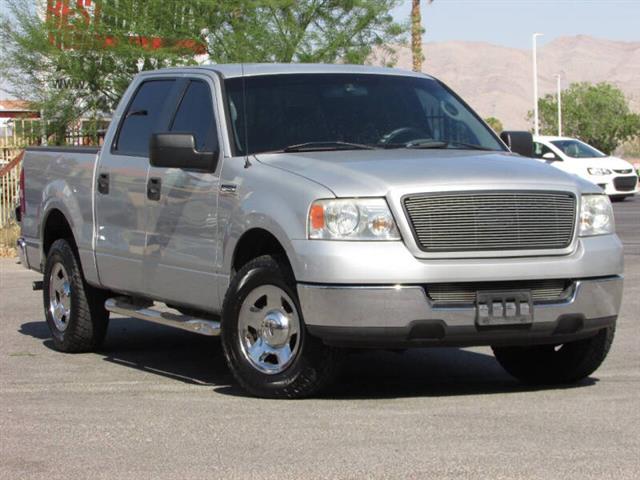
{"x": 15, "y": 106}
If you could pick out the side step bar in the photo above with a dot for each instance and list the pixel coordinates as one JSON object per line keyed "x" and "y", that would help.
{"x": 163, "y": 316}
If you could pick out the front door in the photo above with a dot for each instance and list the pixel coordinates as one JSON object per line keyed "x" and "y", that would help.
{"x": 182, "y": 245}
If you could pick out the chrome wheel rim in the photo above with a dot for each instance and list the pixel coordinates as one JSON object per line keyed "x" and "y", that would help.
{"x": 59, "y": 297}
{"x": 269, "y": 329}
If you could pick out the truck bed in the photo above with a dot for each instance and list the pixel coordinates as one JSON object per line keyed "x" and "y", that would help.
{"x": 59, "y": 178}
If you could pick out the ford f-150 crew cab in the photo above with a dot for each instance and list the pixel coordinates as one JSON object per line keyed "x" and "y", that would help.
{"x": 301, "y": 211}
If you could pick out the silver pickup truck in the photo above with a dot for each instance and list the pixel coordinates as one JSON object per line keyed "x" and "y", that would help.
{"x": 301, "y": 211}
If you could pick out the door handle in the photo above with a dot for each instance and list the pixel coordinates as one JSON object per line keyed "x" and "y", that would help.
{"x": 103, "y": 183}
{"x": 154, "y": 187}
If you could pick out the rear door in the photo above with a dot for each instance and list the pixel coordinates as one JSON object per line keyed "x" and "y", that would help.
{"x": 182, "y": 228}
{"x": 121, "y": 190}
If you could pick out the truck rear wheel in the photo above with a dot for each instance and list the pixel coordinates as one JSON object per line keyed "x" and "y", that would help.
{"x": 74, "y": 310}
{"x": 264, "y": 338}
{"x": 556, "y": 364}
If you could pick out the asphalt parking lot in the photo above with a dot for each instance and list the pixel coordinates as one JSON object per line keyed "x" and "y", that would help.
{"x": 160, "y": 403}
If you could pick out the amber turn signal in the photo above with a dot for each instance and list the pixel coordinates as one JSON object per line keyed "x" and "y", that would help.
{"x": 316, "y": 215}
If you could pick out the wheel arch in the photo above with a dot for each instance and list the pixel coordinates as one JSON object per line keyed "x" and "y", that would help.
{"x": 55, "y": 225}
{"x": 253, "y": 243}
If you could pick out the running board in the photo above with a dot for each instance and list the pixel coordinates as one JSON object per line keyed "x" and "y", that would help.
{"x": 163, "y": 316}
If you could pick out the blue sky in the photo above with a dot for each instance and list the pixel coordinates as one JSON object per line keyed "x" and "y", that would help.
{"x": 511, "y": 22}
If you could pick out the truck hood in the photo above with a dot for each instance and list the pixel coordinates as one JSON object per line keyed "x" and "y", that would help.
{"x": 378, "y": 172}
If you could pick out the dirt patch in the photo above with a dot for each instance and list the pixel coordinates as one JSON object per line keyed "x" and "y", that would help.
{"x": 8, "y": 236}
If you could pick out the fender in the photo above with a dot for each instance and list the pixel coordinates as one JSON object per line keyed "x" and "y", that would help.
{"x": 280, "y": 209}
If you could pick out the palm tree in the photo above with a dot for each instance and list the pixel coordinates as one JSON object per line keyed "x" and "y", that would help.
{"x": 416, "y": 35}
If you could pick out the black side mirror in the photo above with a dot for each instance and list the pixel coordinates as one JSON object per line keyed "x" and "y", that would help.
{"x": 519, "y": 142}
{"x": 178, "y": 150}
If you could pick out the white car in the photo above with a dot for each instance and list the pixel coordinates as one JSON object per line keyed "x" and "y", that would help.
{"x": 615, "y": 176}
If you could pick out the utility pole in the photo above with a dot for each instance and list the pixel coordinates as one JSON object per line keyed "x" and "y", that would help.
{"x": 536, "y": 123}
{"x": 559, "y": 98}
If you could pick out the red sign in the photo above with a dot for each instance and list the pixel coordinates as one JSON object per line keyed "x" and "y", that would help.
{"x": 67, "y": 16}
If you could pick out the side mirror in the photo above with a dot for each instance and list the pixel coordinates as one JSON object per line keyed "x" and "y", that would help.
{"x": 519, "y": 142}
{"x": 178, "y": 150}
{"x": 550, "y": 156}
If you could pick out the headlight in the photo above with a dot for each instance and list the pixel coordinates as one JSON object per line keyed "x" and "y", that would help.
{"x": 598, "y": 171}
{"x": 352, "y": 219}
{"x": 596, "y": 215}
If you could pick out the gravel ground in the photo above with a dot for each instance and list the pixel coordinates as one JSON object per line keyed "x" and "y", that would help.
{"x": 160, "y": 403}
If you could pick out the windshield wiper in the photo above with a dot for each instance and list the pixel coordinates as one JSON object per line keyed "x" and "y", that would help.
{"x": 326, "y": 145}
{"x": 472, "y": 146}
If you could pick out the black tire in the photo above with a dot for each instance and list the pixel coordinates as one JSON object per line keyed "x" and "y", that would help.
{"x": 552, "y": 364}
{"x": 311, "y": 369}
{"x": 87, "y": 321}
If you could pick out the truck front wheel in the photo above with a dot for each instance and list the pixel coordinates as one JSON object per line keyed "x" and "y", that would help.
{"x": 264, "y": 338}
{"x": 74, "y": 310}
{"x": 556, "y": 364}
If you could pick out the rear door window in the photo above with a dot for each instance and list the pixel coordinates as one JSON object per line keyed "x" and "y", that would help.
{"x": 143, "y": 117}
{"x": 195, "y": 116}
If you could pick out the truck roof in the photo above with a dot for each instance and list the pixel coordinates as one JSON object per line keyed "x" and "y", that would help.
{"x": 233, "y": 70}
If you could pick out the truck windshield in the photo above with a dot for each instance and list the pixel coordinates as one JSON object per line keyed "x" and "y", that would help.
{"x": 303, "y": 112}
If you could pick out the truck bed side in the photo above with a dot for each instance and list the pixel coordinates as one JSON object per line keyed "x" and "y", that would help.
{"x": 58, "y": 187}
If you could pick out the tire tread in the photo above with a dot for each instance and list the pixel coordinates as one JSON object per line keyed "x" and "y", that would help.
{"x": 310, "y": 380}
{"x": 543, "y": 365}
{"x": 88, "y": 325}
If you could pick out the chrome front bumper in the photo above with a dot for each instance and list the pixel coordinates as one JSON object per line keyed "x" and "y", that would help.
{"x": 388, "y": 315}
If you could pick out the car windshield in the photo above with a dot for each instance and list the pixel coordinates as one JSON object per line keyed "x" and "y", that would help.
{"x": 304, "y": 112}
{"x": 577, "y": 149}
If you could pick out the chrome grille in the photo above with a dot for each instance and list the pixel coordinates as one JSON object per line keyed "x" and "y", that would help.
{"x": 485, "y": 221}
{"x": 626, "y": 170}
{"x": 464, "y": 293}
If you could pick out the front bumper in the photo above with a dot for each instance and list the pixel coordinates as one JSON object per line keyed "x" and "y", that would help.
{"x": 619, "y": 184}
{"x": 386, "y": 316}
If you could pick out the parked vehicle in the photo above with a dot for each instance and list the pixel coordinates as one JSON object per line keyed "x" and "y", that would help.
{"x": 297, "y": 210}
{"x": 615, "y": 176}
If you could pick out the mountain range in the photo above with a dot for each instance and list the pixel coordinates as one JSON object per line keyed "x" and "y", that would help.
{"x": 497, "y": 81}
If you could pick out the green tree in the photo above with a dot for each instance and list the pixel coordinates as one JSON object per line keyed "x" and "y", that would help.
{"x": 79, "y": 64}
{"x": 597, "y": 114}
{"x": 494, "y": 123}
{"x": 82, "y": 64}
{"x": 309, "y": 31}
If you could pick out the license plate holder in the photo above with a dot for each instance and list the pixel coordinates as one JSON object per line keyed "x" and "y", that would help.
{"x": 504, "y": 308}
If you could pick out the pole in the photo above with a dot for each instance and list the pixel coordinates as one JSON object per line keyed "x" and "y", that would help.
{"x": 536, "y": 123}
{"x": 559, "y": 97}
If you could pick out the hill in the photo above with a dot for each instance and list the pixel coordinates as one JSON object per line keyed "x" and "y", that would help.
{"x": 497, "y": 81}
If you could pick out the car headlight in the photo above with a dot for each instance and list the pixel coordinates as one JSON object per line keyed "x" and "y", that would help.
{"x": 598, "y": 171}
{"x": 596, "y": 215}
{"x": 352, "y": 219}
